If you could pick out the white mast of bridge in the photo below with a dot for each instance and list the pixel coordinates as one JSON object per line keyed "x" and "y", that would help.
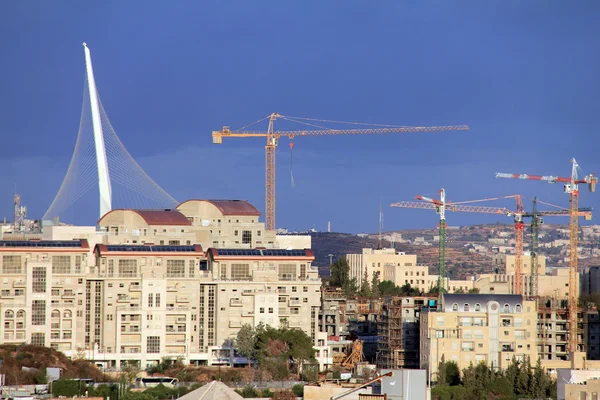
{"x": 103, "y": 175}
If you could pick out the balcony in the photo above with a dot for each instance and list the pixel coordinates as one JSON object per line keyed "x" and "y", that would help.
{"x": 235, "y": 324}
{"x": 19, "y": 284}
{"x": 294, "y": 302}
{"x": 135, "y": 287}
{"x": 182, "y": 299}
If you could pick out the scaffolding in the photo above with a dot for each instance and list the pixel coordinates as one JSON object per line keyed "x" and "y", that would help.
{"x": 398, "y": 331}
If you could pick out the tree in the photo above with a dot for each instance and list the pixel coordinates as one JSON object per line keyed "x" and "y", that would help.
{"x": 245, "y": 342}
{"x": 452, "y": 373}
{"x": 539, "y": 381}
{"x": 339, "y": 273}
{"x": 387, "y": 288}
{"x": 375, "y": 292}
{"x": 473, "y": 291}
{"x": 351, "y": 287}
{"x": 365, "y": 289}
{"x": 441, "y": 378}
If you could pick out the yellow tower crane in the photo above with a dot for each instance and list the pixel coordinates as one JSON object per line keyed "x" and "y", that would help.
{"x": 273, "y": 140}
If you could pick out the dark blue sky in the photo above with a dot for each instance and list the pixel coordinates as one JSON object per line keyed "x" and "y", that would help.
{"x": 523, "y": 75}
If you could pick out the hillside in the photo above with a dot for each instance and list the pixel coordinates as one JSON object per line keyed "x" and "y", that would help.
{"x": 26, "y": 365}
{"x": 339, "y": 244}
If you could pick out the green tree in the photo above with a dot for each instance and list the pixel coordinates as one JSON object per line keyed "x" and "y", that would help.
{"x": 539, "y": 381}
{"x": 245, "y": 342}
{"x": 387, "y": 288}
{"x": 375, "y": 292}
{"x": 452, "y": 373}
{"x": 473, "y": 291}
{"x": 339, "y": 273}
{"x": 523, "y": 378}
{"x": 351, "y": 288}
{"x": 441, "y": 377}
{"x": 365, "y": 287}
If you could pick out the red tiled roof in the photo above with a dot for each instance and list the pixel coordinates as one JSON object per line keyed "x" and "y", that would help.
{"x": 231, "y": 207}
{"x": 158, "y": 217}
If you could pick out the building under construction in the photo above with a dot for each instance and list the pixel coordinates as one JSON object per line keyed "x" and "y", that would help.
{"x": 553, "y": 329}
{"x": 398, "y": 332}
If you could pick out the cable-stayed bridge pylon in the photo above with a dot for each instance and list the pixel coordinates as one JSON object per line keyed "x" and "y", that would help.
{"x": 100, "y": 160}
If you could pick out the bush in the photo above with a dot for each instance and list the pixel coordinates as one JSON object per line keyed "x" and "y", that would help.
{"x": 298, "y": 390}
{"x": 248, "y": 392}
{"x": 267, "y": 393}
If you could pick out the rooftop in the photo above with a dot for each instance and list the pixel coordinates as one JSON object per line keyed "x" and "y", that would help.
{"x": 231, "y": 207}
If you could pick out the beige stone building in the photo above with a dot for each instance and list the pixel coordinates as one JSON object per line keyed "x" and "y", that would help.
{"x": 473, "y": 328}
{"x": 42, "y": 297}
{"x": 158, "y": 283}
{"x": 554, "y": 285}
{"x": 389, "y": 264}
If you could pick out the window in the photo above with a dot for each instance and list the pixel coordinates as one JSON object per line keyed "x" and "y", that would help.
{"x": 9, "y": 314}
{"x": 287, "y": 272}
{"x": 67, "y": 314}
{"x": 305, "y": 289}
{"x": 240, "y": 272}
{"x": 150, "y": 299}
{"x": 477, "y": 307}
{"x": 262, "y": 310}
{"x": 19, "y": 292}
{"x": 61, "y": 264}
{"x": 127, "y": 268}
{"x": 38, "y": 312}
{"x": 39, "y": 280}
{"x": 294, "y": 310}
{"x": 5, "y": 292}
{"x": 153, "y": 344}
{"x": 223, "y": 271}
{"x": 192, "y": 268}
{"x": 454, "y": 307}
{"x": 506, "y": 308}
{"x": 270, "y": 310}
{"x": 38, "y": 339}
{"x": 235, "y": 233}
{"x": 518, "y": 308}
{"x": 157, "y": 303}
{"x": 55, "y": 292}
{"x": 109, "y": 317}
{"x": 257, "y": 233}
{"x": 173, "y": 242}
{"x": 466, "y": 307}
{"x": 11, "y": 265}
{"x": 175, "y": 268}
{"x": 246, "y": 236}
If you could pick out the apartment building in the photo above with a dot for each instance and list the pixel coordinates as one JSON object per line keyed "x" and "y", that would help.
{"x": 473, "y": 328}
{"x": 555, "y": 284}
{"x": 390, "y": 265}
{"x": 42, "y": 292}
{"x": 149, "y": 289}
{"x": 589, "y": 281}
{"x": 399, "y": 331}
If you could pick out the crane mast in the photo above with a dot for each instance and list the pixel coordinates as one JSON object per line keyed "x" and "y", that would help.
{"x": 572, "y": 188}
{"x": 273, "y": 141}
{"x": 535, "y": 220}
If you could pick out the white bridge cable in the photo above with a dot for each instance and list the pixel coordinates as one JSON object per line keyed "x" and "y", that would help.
{"x": 132, "y": 187}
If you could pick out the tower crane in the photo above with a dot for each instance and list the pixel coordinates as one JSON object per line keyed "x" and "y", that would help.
{"x": 572, "y": 188}
{"x": 273, "y": 137}
{"x": 440, "y": 207}
{"x": 518, "y": 215}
